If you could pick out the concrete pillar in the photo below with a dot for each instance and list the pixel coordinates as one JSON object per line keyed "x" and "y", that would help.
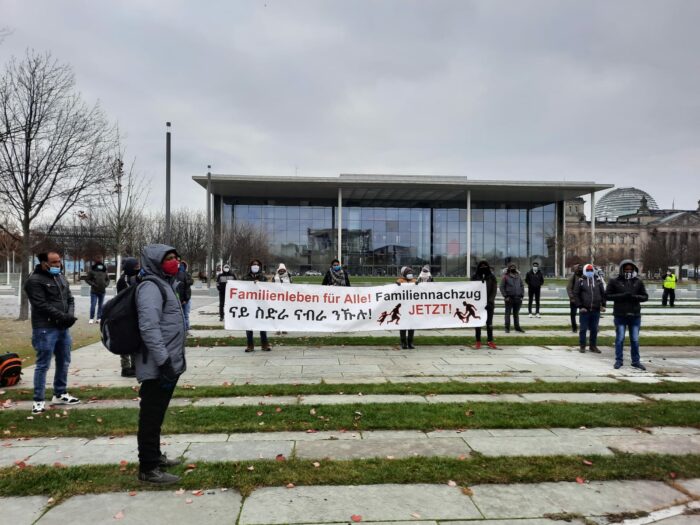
{"x": 469, "y": 232}
{"x": 340, "y": 225}
{"x": 592, "y": 227}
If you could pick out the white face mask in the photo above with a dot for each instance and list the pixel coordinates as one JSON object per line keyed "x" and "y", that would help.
{"x": 535, "y": 268}
{"x": 409, "y": 276}
{"x": 255, "y": 268}
{"x": 226, "y": 268}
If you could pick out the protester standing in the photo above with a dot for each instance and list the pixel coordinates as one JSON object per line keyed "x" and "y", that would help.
{"x": 98, "y": 280}
{"x": 589, "y": 294}
{"x": 573, "y": 310}
{"x": 255, "y": 274}
{"x": 282, "y": 276}
{"x": 52, "y": 316}
{"x": 513, "y": 291}
{"x": 425, "y": 276}
{"x": 669, "y": 293}
{"x": 221, "y": 280}
{"x": 129, "y": 277}
{"x": 184, "y": 291}
{"x": 162, "y": 329}
{"x": 406, "y": 336}
{"x": 534, "y": 280}
{"x": 336, "y": 275}
{"x": 485, "y": 275}
{"x": 627, "y": 291}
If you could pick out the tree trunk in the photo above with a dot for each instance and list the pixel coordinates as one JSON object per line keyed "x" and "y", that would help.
{"x": 25, "y": 260}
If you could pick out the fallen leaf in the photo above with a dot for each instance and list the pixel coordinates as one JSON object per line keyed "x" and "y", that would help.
{"x": 311, "y": 431}
{"x": 467, "y": 491}
{"x": 462, "y": 457}
{"x": 672, "y": 475}
{"x": 20, "y": 464}
{"x": 179, "y": 492}
{"x": 580, "y": 480}
{"x": 251, "y": 468}
{"x": 224, "y": 489}
{"x": 587, "y": 463}
{"x": 290, "y": 485}
{"x": 278, "y": 409}
{"x": 390, "y": 457}
{"x": 191, "y": 466}
{"x": 280, "y": 457}
{"x": 123, "y": 463}
{"x": 415, "y": 515}
{"x": 316, "y": 464}
{"x": 50, "y": 501}
{"x": 30, "y": 417}
{"x": 469, "y": 413}
{"x": 199, "y": 492}
{"x": 119, "y": 515}
{"x": 356, "y": 518}
{"x": 99, "y": 420}
{"x": 451, "y": 483}
{"x": 132, "y": 493}
{"x": 259, "y": 412}
{"x": 312, "y": 411}
{"x": 188, "y": 500}
{"x": 58, "y": 464}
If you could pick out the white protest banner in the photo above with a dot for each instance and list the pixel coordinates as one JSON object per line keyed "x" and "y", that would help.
{"x": 314, "y": 308}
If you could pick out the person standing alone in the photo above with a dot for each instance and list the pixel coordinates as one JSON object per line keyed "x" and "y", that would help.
{"x": 98, "y": 280}
{"x": 486, "y": 276}
{"x": 669, "y": 294}
{"x": 578, "y": 273}
{"x": 589, "y": 294}
{"x": 512, "y": 290}
{"x": 52, "y": 316}
{"x": 534, "y": 280}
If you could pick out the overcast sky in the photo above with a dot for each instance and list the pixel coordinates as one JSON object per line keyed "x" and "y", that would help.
{"x": 603, "y": 91}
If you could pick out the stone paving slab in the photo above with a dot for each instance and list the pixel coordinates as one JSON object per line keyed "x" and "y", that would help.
{"x": 244, "y": 401}
{"x": 239, "y": 450}
{"x": 691, "y": 485}
{"x": 674, "y": 397}
{"x": 537, "y": 446}
{"x": 360, "y": 400}
{"x": 649, "y": 444}
{"x": 22, "y": 511}
{"x": 166, "y": 508}
{"x": 583, "y": 398}
{"x": 595, "y": 498}
{"x": 376, "y": 448}
{"x": 374, "y": 503}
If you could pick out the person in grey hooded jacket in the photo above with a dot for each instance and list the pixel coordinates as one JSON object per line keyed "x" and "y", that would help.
{"x": 162, "y": 327}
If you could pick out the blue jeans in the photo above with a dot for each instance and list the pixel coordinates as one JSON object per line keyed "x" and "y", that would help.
{"x": 96, "y": 299}
{"x": 621, "y": 324}
{"x": 588, "y": 321}
{"x": 49, "y": 342}
{"x": 186, "y": 313}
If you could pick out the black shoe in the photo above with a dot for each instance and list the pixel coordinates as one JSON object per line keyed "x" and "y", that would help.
{"x": 639, "y": 366}
{"x": 410, "y": 346}
{"x": 518, "y": 329}
{"x": 618, "y": 365}
{"x": 128, "y": 372}
{"x": 507, "y": 330}
{"x": 582, "y": 349}
{"x": 595, "y": 350}
{"x": 574, "y": 330}
{"x": 404, "y": 345}
{"x": 266, "y": 348}
{"x": 158, "y": 477}
{"x": 221, "y": 319}
{"x": 166, "y": 462}
{"x": 249, "y": 349}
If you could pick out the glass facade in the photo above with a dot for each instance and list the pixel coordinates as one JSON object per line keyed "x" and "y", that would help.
{"x": 380, "y": 240}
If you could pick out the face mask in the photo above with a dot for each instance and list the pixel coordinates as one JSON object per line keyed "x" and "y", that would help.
{"x": 409, "y": 276}
{"x": 336, "y": 267}
{"x": 282, "y": 272}
{"x": 535, "y": 269}
{"x": 254, "y": 269}
{"x": 589, "y": 273}
{"x": 170, "y": 267}
{"x": 226, "y": 268}
{"x": 512, "y": 270}
{"x": 629, "y": 275}
{"x": 54, "y": 270}
{"x": 131, "y": 272}
{"x": 668, "y": 273}
{"x": 483, "y": 270}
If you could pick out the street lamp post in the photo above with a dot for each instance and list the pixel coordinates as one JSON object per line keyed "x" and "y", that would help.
{"x": 167, "y": 183}
{"x": 210, "y": 241}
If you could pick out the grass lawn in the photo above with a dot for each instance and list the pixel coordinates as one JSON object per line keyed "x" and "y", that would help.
{"x": 405, "y": 416}
{"x": 61, "y": 482}
{"x": 17, "y": 337}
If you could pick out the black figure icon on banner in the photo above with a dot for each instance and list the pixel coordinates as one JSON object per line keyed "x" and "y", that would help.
{"x": 469, "y": 312}
{"x": 394, "y": 315}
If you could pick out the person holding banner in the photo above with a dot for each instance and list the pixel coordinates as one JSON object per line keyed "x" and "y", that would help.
{"x": 221, "y": 279}
{"x": 486, "y": 276}
{"x": 336, "y": 276}
{"x": 406, "y": 335}
{"x": 425, "y": 276}
{"x": 256, "y": 274}
{"x": 513, "y": 290}
{"x": 282, "y": 276}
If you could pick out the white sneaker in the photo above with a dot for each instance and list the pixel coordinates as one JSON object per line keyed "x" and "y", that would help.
{"x": 91, "y": 321}
{"x": 530, "y": 316}
{"x": 538, "y": 316}
{"x": 65, "y": 399}
{"x": 38, "y": 407}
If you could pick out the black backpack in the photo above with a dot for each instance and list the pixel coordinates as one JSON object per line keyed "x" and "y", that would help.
{"x": 119, "y": 324}
{"x": 10, "y": 369}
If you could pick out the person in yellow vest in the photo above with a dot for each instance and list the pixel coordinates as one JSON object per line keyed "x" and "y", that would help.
{"x": 669, "y": 294}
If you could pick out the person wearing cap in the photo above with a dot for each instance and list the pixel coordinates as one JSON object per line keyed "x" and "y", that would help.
{"x": 336, "y": 275}
{"x": 485, "y": 275}
{"x": 406, "y": 336}
{"x": 577, "y": 274}
{"x": 129, "y": 277}
{"x": 627, "y": 291}
{"x": 534, "y": 280}
{"x": 98, "y": 279}
{"x": 669, "y": 294}
{"x": 255, "y": 274}
{"x": 221, "y": 280}
{"x": 589, "y": 295}
{"x": 425, "y": 276}
{"x": 282, "y": 276}
{"x": 513, "y": 291}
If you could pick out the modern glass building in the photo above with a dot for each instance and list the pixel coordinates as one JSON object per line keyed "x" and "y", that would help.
{"x": 375, "y": 224}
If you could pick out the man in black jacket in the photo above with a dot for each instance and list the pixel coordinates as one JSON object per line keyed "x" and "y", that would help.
{"x": 589, "y": 294}
{"x": 52, "y": 315}
{"x": 184, "y": 291}
{"x": 627, "y": 292}
{"x": 534, "y": 280}
{"x": 98, "y": 280}
{"x": 221, "y": 280}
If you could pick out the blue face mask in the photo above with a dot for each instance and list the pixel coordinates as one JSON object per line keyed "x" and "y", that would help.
{"x": 589, "y": 273}
{"x": 54, "y": 270}
{"x": 336, "y": 267}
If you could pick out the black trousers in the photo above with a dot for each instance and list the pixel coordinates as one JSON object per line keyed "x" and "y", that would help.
{"x": 573, "y": 310}
{"x": 154, "y": 404}
{"x": 668, "y": 294}
{"x": 249, "y": 338}
{"x": 533, "y": 292}
{"x": 404, "y": 339}
{"x": 489, "y": 324}
{"x": 513, "y": 305}
{"x": 222, "y": 298}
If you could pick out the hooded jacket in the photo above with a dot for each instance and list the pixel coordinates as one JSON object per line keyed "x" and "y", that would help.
{"x": 97, "y": 278}
{"x": 50, "y": 297}
{"x": 627, "y": 294}
{"x": 129, "y": 275}
{"x": 222, "y": 279}
{"x": 571, "y": 282}
{"x": 284, "y": 278}
{"x": 162, "y": 324}
{"x": 512, "y": 285}
{"x": 184, "y": 283}
{"x": 589, "y": 293}
{"x": 534, "y": 279}
{"x": 490, "y": 281}
{"x": 260, "y": 276}
{"x": 425, "y": 276}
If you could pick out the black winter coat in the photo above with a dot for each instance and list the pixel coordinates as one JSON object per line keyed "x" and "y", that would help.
{"x": 52, "y": 303}
{"x": 491, "y": 287}
{"x": 184, "y": 285}
{"x": 627, "y": 294}
{"x": 534, "y": 280}
{"x": 222, "y": 279}
{"x": 589, "y": 293}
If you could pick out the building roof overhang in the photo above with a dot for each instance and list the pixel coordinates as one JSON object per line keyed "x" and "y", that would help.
{"x": 379, "y": 188}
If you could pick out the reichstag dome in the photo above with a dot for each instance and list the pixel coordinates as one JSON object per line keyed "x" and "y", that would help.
{"x": 622, "y": 201}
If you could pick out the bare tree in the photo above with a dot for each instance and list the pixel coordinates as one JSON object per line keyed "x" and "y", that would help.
{"x": 59, "y": 157}
{"x": 694, "y": 254}
{"x": 656, "y": 255}
{"x": 242, "y": 242}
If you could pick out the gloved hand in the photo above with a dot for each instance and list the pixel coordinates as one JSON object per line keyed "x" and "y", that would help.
{"x": 508, "y": 300}
{"x": 66, "y": 321}
{"x": 168, "y": 378}
{"x": 584, "y": 310}
{"x": 398, "y": 284}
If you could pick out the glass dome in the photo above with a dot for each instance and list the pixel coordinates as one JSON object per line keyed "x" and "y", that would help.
{"x": 622, "y": 201}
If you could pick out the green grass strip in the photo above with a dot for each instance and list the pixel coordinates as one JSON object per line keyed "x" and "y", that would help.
{"x": 381, "y": 416}
{"x": 62, "y": 483}
{"x": 423, "y": 389}
{"x": 444, "y": 340}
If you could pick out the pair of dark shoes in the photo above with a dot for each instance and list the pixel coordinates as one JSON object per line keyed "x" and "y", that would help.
{"x": 638, "y": 366}
{"x": 157, "y": 475}
{"x": 594, "y": 349}
{"x": 518, "y": 329}
{"x": 407, "y": 346}
{"x": 128, "y": 372}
